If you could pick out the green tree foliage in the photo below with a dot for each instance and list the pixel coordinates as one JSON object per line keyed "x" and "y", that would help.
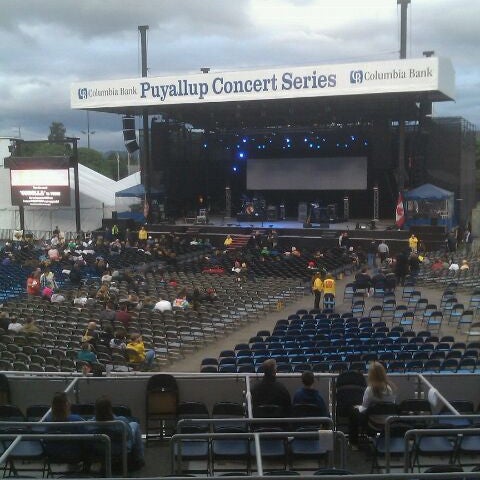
{"x": 106, "y": 164}
{"x": 39, "y": 149}
{"x": 57, "y": 132}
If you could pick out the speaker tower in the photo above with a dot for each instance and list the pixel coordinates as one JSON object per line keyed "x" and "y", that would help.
{"x": 129, "y": 134}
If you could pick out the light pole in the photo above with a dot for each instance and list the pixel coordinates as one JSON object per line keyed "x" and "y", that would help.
{"x": 88, "y": 132}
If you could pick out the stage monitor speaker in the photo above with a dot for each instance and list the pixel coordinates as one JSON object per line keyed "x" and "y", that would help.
{"x": 129, "y": 134}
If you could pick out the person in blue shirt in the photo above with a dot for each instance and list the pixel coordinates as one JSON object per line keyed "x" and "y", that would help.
{"x": 60, "y": 410}
{"x": 104, "y": 413}
{"x": 86, "y": 354}
{"x": 308, "y": 394}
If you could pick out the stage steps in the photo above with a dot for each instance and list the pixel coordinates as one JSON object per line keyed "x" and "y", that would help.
{"x": 239, "y": 241}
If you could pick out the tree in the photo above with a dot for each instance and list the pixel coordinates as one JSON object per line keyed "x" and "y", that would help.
{"x": 57, "y": 132}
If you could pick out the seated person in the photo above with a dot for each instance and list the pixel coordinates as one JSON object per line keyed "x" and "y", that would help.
{"x": 123, "y": 316}
{"x": 379, "y": 390}
{"x": 362, "y": 280}
{"x": 85, "y": 354}
{"x": 60, "y": 410}
{"x": 308, "y": 394}
{"x": 136, "y": 351}
{"x": 91, "y": 335}
{"x": 181, "y": 301}
{"x": 163, "y": 305}
{"x": 30, "y": 327}
{"x": 437, "y": 265}
{"x": 119, "y": 341}
{"x": 270, "y": 392}
{"x": 135, "y": 449}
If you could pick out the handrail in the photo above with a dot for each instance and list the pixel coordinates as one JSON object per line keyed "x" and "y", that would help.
{"x": 438, "y": 394}
{"x": 409, "y": 418}
{"x": 60, "y": 436}
{"x": 252, "y": 421}
{"x": 338, "y": 439}
{"x": 120, "y": 423}
{"x": 419, "y": 432}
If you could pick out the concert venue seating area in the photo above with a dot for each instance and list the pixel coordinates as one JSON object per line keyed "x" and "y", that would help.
{"x": 401, "y": 331}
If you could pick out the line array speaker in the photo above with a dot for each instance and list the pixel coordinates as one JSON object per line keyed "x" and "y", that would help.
{"x": 129, "y": 134}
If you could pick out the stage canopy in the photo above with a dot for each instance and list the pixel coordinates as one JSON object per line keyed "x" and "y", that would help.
{"x": 294, "y": 96}
{"x": 430, "y": 205}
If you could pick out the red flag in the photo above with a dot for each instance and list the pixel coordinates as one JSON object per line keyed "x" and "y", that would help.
{"x": 400, "y": 212}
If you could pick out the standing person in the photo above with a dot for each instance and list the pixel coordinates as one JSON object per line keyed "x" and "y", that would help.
{"x": 270, "y": 392}
{"x": 383, "y": 251}
{"x": 379, "y": 390}
{"x": 142, "y": 236}
{"x": 329, "y": 292}
{"x": 310, "y": 395}
{"x": 317, "y": 287}
{"x": 371, "y": 253}
{"x": 401, "y": 267}
{"x": 228, "y": 241}
{"x": 413, "y": 243}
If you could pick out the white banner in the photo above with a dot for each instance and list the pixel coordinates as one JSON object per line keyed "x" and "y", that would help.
{"x": 395, "y": 76}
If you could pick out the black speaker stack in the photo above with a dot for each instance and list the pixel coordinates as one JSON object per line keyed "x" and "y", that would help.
{"x": 129, "y": 134}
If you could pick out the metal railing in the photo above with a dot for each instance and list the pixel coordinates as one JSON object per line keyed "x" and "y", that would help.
{"x": 18, "y": 437}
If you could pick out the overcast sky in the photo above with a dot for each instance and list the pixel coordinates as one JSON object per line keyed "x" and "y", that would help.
{"x": 48, "y": 44}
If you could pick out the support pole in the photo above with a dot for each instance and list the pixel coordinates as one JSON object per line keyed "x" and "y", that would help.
{"x": 145, "y": 171}
{"x": 401, "y": 172}
{"x": 77, "y": 185}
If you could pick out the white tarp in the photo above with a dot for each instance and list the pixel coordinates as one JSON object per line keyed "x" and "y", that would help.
{"x": 433, "y": 75}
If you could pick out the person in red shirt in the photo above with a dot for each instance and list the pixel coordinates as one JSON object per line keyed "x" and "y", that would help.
{"x": 123, "y": 316}
{"x": 33, "y": 284}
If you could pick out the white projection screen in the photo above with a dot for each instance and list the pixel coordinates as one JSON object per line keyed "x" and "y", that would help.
{"x": 334, "y": 173}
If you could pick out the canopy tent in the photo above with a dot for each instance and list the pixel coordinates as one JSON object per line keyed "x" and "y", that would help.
{"x": 429, "y": 205}
{"x": 138, "y": 191}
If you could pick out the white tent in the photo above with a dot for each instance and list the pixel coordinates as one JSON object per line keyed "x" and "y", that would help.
{"x": 97, "y": 201}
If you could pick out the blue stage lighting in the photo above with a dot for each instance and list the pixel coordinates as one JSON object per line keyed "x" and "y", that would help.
{"x": 244, "y": 140}
{"x": 311, "y": 145}
{"x": 241, "y": 155}
{"x": 365, "y": 143}
{"x": 234, "y": 169}
{"x": 287, "y": 140}
{"x": 353, "y": 137}
{"x": 205, "y": 145}
{"x": 305, "y": 139}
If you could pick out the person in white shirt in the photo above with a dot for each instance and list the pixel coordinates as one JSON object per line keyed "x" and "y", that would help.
{"x": 453, "y": 267}
{"x": 163, "y": 306}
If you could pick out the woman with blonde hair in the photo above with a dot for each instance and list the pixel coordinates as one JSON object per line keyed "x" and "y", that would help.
{"x": 379, "y": 390}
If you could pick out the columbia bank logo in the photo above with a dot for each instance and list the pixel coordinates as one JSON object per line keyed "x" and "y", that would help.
{"x": 356, "y": 76}
{"x": 82, "y": 93}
